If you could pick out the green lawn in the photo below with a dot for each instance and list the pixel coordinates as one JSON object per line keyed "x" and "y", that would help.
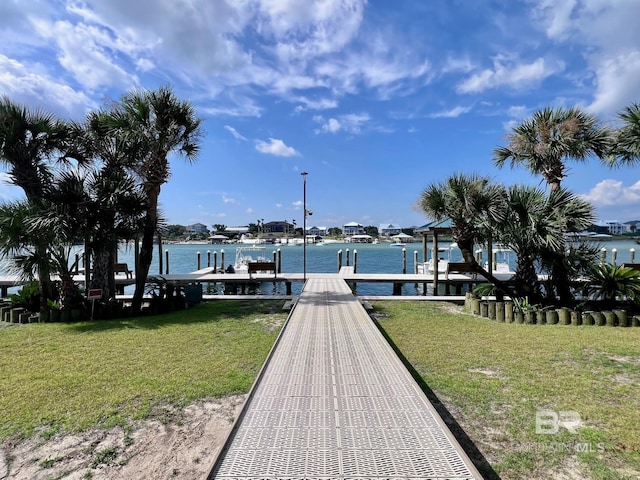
{"x": 74, "y": 376}
{"x": 493, "y": 378}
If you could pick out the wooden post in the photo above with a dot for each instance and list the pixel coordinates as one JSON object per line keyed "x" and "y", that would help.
{"x": 208, "y": 258}
{"x": 339, "y": 259}
{"x": 404, "y": 260}
{"x": 603, "y": 256}
{"x": 415, "y": 261}
{"x": 198, "y": 263}
{"x": 614, "y": 256}
{"x": 166, "y": 253}
{"x": 347, "y": 257}
{"x": 215, "y": 262}
{"x": 222, "y": 260}
{"x": 632, "y": 255}
{"x": 492, "y": 258}
{"x": 424, "y": 248}
{"x": 159, "y": 254}
{"x": 355, "y": 260}
{"x": 279, "y": 261}
{"x": 434, "y": 260}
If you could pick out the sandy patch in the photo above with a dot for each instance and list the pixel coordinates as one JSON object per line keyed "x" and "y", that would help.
{"x": 179, "y": 444}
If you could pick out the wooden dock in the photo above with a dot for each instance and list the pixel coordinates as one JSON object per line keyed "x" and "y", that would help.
{"x": 238, "y": 282}
{"x": 333, "y": 400}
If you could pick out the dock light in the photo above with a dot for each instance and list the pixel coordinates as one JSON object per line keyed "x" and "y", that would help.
{"x": 304, "y": 225}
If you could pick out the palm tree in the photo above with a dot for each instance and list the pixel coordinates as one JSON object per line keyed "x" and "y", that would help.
{"x": 99, "y": 207}
{"x": 626, "y": 146}
{"x": 473, "y": 203}
{"x": 29, "y": 143}
{"x": 116, "y": 201}
{"x": 570, "y": 214}
{"x": 534, "y": 228}
{"x": 610, "y": 282}
{"x": 549, "y": 138}
{"x": 153, "y": 124}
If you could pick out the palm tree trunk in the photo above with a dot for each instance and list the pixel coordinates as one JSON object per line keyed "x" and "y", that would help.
{"x": 100, "y": 273}
{"x": 44, "y": 279}
{"x": 560, "y": 280}
{"x": 527, "y": 278}
{"x": 146, "y": 247}
{"x": 466, "y": 248}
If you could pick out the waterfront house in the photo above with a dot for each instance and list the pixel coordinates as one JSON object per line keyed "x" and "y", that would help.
{"x": 352, "y": 228}
{"x": 318, "y": 231}
{"x": 196, "y": 228}
{"x": 278, "y": 226}
{"x": 610, "y": 227}
{"x": 389, "y": 230}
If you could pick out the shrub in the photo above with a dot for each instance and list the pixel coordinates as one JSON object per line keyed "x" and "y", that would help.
{"x": 611, "y": 283}
{"x": 28, "y": 297}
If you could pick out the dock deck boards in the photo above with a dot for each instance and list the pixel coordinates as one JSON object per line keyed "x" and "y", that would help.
{"x": 334, "y": 401}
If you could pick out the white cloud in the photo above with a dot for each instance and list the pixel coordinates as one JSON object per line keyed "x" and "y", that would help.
{"x": 606, "y": 31}
{"x": 30, "y": 85}
{"x": 309, "y": 104}
{"x": 226, "y": 199}
{"x": 276, "y": 147}
{"x": 351, "y": 123}
{"x": 235, "y": 133}
{"x": 88, "y": 53}
{"x": 298, "y": 204}
{"x": 249, "y": 210}
{"x": 452, "y": 113}
{"x": 617, "y": 82}
{"x": 278, "y": 205}
{"x": 610, "y": 192}
{"x": 510, "y": 74}
{"x": 306, "y": 29}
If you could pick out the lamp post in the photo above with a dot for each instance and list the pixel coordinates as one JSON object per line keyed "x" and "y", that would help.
{"x": 304, "y": 226}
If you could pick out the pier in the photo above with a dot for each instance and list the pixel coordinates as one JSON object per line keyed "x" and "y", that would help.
{"x": 333, "y": 400}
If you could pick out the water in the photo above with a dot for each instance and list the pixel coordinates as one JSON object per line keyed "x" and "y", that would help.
{"x": 380, "y": 258}
{"x": 372, "y": 258}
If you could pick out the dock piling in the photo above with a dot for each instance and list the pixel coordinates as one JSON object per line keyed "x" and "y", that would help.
{"x": 355, "y": 261}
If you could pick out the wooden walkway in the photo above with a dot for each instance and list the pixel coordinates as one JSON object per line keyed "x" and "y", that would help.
{"x": 334, "y": 401}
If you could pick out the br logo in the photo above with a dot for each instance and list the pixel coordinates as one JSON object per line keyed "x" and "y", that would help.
{"x": 548, "y": 422}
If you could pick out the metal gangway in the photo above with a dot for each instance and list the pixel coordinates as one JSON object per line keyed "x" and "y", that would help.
{"x": 334, "y": 401}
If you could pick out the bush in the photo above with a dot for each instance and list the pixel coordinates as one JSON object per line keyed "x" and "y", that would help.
{"x": 611, "y": 283}
{"x": 28, "y": 297}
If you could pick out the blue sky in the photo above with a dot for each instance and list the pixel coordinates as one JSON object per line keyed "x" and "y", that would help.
{"x": 374, "y": 99}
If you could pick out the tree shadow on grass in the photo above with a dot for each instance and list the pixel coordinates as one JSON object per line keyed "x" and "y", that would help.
{"x": 205, "y": 312}
{"x": 478, "y": 459}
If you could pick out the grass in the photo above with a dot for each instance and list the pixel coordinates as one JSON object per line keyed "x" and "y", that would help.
{"x": 494, "y": 378}
{"x": 104, "y": 373}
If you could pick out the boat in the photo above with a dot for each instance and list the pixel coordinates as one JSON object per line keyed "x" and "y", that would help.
{"x": 398, "y": 244}
{"x": 427, "y": 267}
{"x": 501, "y": 265}
{"x": 246, "y": 255}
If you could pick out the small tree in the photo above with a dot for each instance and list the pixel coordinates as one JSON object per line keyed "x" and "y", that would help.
{"x": 610, "y": 283}
{"x": 151, "y": 125}
{"x": 474, "y": 204}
